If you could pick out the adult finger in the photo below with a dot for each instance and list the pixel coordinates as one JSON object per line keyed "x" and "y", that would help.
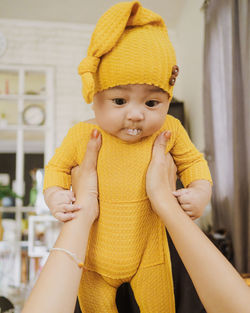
{"x": 172, "y": 169}
{"x": 170, "y": 161}
{"x": 93, "y": 147}
{"x": 160, "y": 144}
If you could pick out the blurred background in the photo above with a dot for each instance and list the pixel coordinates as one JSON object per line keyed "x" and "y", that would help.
{"x": 41, "y": 46}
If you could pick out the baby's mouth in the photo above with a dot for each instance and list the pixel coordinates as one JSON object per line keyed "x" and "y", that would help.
{"x": 133, "y": 131}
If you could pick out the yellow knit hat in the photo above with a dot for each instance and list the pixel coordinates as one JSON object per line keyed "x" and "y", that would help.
{"x": 129, "y": 45}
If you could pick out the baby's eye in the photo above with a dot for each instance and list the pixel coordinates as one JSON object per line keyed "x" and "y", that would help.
{"x": 119, "y": 101}
{"x": 152, "y": 103}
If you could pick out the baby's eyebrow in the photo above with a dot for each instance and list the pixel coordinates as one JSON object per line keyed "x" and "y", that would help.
{"x": 150, "y": 89}
{"x": 156, "y": 89}
{"x": 118, "y": 88}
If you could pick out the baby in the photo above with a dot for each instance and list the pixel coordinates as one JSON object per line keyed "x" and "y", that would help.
{"x": 128, "y": 74}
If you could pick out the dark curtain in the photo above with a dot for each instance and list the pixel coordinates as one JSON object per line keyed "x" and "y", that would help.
{"x": 227, "y": 119}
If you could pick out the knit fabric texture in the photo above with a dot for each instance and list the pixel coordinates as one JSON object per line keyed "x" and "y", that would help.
{"x": 127, "y": 234}
{"x": 152, "y": 287}
{"x": 130, "y": 45}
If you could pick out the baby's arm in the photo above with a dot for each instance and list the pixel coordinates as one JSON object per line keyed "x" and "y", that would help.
{"x": 195, "y": 197}
{"x": 57, "y": 178}
{"x": 193, "y": 171}
{"x": 60, "y": 202}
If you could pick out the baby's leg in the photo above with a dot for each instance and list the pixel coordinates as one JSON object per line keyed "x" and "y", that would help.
{"x": 152, "y": 291}
{"x": 95, "y": 294}
{"x": 153, "y": 287}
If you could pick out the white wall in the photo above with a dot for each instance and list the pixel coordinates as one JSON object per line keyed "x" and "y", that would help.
{"x": 81, "y": 11}
{"x": 189, "y": 50}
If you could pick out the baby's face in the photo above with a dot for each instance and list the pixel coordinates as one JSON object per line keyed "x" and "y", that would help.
{"x": 131, "y": 112}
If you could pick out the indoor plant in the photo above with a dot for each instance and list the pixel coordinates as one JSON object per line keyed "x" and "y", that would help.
{"x": 5, "y": 192}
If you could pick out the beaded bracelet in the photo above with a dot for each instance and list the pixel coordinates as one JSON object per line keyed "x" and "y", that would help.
{"x": 73, "y": 255}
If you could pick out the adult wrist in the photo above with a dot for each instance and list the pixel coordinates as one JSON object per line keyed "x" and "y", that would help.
{"x": 164, "y": 204}
{"x": 159, "y": 196}
{"x": 87, "y": 213}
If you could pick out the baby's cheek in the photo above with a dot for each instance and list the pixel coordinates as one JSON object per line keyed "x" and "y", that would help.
{"x": 153, "y": 125}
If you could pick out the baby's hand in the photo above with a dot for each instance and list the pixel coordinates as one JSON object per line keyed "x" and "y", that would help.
{"x": 193, "y": 200}
{"x": 60, "y": 203}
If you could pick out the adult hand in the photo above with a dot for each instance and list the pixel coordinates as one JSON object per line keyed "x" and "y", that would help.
{"x": 84, "y": 176}
{"x": 161, "y": 174}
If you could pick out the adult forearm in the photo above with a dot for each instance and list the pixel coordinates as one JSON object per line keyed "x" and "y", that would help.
{"x": 214, "y": 278}
{"x": 57, "y": 285}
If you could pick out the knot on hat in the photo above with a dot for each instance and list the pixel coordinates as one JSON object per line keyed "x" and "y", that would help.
{"x": 88, "y": 64}
{"x": 86, "y": 69}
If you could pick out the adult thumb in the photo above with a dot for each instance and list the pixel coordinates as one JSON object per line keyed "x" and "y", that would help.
{"x": 92, "y": 150}
{"x": 160, "y": 144}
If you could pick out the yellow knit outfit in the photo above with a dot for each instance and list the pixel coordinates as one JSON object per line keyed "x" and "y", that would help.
{"x": 128, "y": 238}
{"x": 130, "y": 45}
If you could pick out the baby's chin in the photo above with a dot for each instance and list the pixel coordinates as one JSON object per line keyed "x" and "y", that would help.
{"x": 131, "y": 137}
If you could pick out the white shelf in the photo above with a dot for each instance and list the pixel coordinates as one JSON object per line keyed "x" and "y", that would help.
{"x": 22, "y": 244}
{"x": 18, "y": 138}
{"x": 24, "y": 127}
{"x": 24, "y": 97}
{"x": 23, "y": 209}
{"x": 9, "y": 97}
{"x": 35, "y": 97}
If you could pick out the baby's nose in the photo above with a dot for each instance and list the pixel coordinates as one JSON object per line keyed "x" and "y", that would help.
{"x": 135, "y": 114}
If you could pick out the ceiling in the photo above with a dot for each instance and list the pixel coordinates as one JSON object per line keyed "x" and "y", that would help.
{"x": 81, "y": 11}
